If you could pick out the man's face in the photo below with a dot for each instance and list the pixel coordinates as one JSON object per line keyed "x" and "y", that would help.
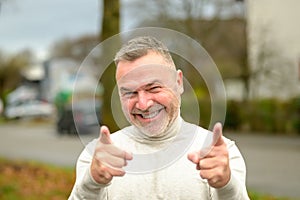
{"x": 149, "y": 90}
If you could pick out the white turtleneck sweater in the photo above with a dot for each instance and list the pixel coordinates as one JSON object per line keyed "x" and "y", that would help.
{"x": 160, "y": 168}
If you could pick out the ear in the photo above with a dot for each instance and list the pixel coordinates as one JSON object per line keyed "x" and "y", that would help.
{"x": 179, "y": 81}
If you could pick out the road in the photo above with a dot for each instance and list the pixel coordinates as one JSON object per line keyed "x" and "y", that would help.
{"x": 38, "y": 142}
{"x": 272, "y": 161}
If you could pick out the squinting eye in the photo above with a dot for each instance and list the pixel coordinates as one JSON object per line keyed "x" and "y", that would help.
{"x": 129, "y": 94}
{"x": 155, "y": 89}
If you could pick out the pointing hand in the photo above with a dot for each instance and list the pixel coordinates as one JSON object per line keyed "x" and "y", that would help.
{"x": 108, "y": 160}
{"x": 214, "y": 166}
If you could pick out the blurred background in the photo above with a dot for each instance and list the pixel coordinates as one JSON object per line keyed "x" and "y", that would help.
{"x": 254, "y": 43}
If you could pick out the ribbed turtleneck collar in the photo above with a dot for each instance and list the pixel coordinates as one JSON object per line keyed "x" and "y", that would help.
{"x": 166, "y": 136}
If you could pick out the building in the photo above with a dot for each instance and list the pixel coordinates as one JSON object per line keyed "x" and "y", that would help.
{"x": 274, "y": 48}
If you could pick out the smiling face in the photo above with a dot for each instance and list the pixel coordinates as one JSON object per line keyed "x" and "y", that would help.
{"x": 149, "y": 90}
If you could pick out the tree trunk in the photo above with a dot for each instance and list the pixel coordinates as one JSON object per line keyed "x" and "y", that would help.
{"x": 110, "y": 27}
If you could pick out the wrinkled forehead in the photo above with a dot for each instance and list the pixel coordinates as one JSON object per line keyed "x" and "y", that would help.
{"x": 144, "y": 75}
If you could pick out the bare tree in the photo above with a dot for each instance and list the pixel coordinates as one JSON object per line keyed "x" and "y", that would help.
{"x": 79, "y": 48}
{"x": 11, "y": 67}
{"x": 218, "y": 25}
{"x": 110, "y": 27}
{"x": 111, "y": 19}
{"x": 76, "y": 49}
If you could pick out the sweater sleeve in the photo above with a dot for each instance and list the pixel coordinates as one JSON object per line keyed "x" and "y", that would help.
{"x": 235, "y": 189}
{"x": 85, "y": 186}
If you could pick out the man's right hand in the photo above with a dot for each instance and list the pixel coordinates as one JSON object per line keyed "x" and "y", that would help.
{"x": 108, "y": 160}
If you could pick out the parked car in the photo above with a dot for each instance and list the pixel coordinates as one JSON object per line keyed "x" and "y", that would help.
{"x": 79, "y": 118}
{"x": 29, "y": 108}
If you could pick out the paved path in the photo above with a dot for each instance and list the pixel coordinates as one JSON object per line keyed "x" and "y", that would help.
{"x": 272, "y": 161}
{"x": 39, "y": 142}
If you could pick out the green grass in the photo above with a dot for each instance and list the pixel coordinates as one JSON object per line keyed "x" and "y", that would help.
{"x": 257, "y": 196}
{"x": 30, "y": 180}
{"x": 23, "y": 180}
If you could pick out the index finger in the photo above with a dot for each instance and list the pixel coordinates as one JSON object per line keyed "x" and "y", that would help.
{"x": 216, "y": 140}
{"x": 118, "y": 152}
{"x": 105, "y": 135}
{"x": 217, "y": 135}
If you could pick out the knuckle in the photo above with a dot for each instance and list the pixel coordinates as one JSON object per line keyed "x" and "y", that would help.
{"x": 117, "y": 172}
{"x": 204, "y": 174}
{"x": 223, "y": 161}
{"x": 219, "y": 173}
{"x": 103, "y": 168}
{"x": 201, "y": 163}
{"x": 107, "y": 176}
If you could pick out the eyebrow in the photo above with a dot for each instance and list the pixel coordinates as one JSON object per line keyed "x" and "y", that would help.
{"x": 124, "y": 89}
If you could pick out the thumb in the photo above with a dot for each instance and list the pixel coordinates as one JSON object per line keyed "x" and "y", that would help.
{"x": 217, "y": 137}
{"x": 105, "y": 135}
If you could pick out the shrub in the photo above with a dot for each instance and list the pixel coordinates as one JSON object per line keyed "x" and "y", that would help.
{"x": 233, "y": 115}
{"x": 265, "y": 115}
{"x": 295, "y": 113}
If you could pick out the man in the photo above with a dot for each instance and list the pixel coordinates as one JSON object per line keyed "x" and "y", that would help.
{"x": 150, "y": 91}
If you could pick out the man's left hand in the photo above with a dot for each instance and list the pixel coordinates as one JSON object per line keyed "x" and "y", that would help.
{"x": 214, "y": 166}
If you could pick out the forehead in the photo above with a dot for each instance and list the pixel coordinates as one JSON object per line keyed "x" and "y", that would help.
{"x": 151, "y": 58}
{"x": 145, "y": 75}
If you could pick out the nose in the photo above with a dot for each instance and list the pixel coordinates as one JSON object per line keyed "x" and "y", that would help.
{"x": 144, "y": 101}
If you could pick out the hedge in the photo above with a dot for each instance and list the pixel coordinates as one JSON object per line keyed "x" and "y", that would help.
{"x": 266, "y": 115}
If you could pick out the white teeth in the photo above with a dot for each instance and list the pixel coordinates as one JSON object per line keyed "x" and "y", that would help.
{"x": 151, "y": 115}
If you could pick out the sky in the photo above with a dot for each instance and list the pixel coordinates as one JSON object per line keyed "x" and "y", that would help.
{"x": 36, "y": 24}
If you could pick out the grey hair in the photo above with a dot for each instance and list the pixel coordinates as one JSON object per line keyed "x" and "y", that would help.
{"x": 139, "y": 46}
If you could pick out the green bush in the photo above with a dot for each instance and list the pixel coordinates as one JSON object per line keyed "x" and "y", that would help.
{"x": 295, "y": 113}
{"x": 205, "y": 112}
{"x": 266, "y": 115}
{"x": 233, "y": 115}
{"x": 263, "y": 115}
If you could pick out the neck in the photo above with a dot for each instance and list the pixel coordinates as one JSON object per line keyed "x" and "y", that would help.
{"x": 167, "y": 135}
